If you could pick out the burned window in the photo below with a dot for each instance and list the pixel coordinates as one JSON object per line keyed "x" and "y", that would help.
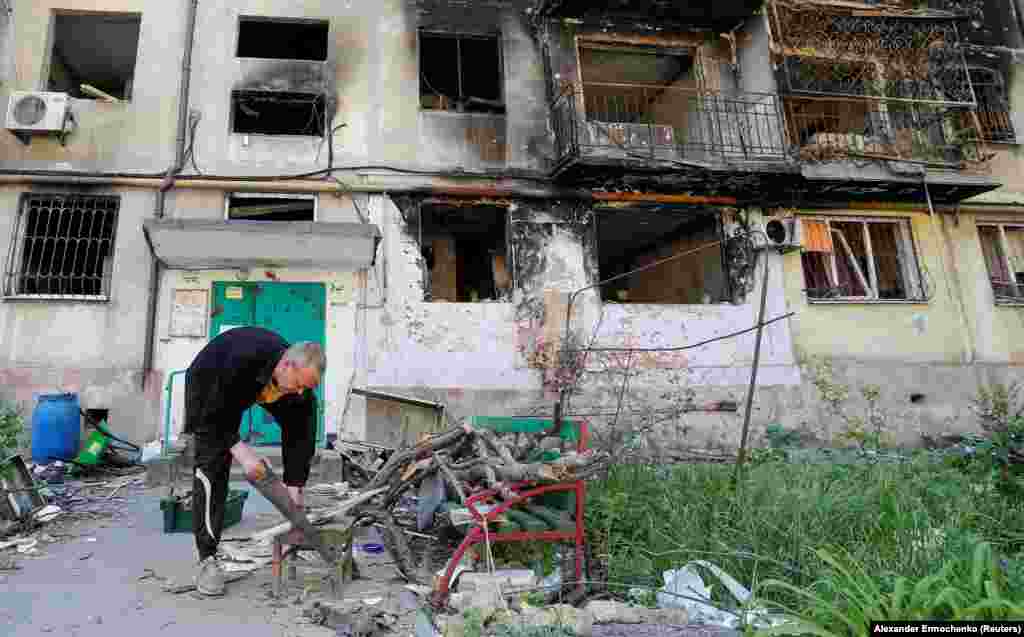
{"x": 464, "y": 250}
{"x": 637, "y": 85}
{"x": 63, "y": 246}
{"x": 271, "y": 207}
{"x": 93, "y": 55}
{"x": 283, "y": 39}
{"x": 461, "y": 73}
{"x": 1003, "y": 248}
{"x": 859, "y": 259}
{"x": 633, "y": 238}
{"x": 278, "y": 113}
{"x": 993, "y": 105}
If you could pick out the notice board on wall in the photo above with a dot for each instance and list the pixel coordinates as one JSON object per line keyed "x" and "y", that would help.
{"x": 188, "y": 313}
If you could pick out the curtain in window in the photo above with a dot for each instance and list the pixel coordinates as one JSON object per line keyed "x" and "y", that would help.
{"x": 886, "y": 251}
{"x": 997, "y": 272}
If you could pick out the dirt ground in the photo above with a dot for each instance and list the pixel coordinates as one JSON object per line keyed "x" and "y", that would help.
{"x": 106, "y": 567}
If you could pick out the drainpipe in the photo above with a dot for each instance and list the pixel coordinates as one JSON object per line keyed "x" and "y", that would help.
{"x": 951, "y": 273}
{"x": 156, "y": 269}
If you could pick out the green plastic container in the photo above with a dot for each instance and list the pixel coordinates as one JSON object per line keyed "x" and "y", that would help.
{"x": 178, "y": 518}
{"x": 95, "y": 446}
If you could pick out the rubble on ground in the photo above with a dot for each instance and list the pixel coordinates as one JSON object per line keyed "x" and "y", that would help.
{"x": 49, "y": 505}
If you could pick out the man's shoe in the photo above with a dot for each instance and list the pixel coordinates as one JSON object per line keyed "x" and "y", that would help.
{"x": 210, "y": 579}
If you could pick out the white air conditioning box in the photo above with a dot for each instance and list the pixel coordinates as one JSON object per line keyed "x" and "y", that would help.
{"x": 36, "y": 112}
{"x": 785, "y": 234}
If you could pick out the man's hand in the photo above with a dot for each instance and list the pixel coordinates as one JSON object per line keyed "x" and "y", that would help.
{"x": 298, "y": 498}
{"x": 252, "y": 464}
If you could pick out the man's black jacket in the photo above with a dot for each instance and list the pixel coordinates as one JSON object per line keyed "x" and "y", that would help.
{"x": 226, "y": 378}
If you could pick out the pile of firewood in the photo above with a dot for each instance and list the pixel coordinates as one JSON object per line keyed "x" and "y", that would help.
{"x": 467, "y": 460}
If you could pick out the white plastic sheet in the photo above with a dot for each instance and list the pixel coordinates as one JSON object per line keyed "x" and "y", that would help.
{"x": 684, "y": 588}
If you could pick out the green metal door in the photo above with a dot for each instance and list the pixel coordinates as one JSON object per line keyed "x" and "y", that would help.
{"x": 296, "y": 311}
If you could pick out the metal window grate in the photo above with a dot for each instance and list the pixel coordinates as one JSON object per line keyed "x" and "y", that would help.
{"x": 62, "y": 246}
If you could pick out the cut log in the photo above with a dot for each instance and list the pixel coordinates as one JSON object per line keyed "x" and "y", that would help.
{"x": 399, "y": 459}
{"x": 344, "y": 507}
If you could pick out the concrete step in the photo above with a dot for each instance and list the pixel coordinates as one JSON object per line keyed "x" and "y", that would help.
{"x": 327, "y": 466}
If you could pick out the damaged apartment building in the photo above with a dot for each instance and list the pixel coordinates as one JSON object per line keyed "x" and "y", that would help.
{"x": 456, "y": 199}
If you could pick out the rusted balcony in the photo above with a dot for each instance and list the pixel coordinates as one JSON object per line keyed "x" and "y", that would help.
{"x": 650, "y": 128}
{"x": 717, "y": 14}
{"x": 837, "y": 129}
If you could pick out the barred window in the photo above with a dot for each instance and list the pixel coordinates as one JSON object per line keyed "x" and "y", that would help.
{"x": 62, "y": 246}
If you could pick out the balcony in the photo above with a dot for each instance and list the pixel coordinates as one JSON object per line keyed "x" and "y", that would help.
{"x": 716, "y": 14}
{"x": 686, "y": 135}
{"x": 884, "y": 147}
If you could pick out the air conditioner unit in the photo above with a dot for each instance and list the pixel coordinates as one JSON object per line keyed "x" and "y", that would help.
{"x": 36, "y": 112}
{"x": 785, "y": 234}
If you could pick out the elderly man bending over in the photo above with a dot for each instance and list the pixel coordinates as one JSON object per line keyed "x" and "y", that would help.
{"x": 241, "y": 367}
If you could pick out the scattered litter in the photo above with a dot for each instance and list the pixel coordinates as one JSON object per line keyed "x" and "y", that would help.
{"x": 150, "y": 451}
{"x": 90, "y": 539}
{"x": 431, "y": 495}
{"x": 684, "y": 587}
{"x": 47, "y": 629}
{"x": 85, "y": 557}
{"x": 177, "y": 588}
{"x": 48, "y": 513}
{"x": 28, "y": 547}
{"x": 95, "y": 619}
{"x": 408, "y": 601}
{"x": 147, "y": 574}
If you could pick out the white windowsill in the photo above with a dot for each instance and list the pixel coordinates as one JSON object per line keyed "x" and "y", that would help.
{"x": 55, "y": 297}
{"x": 867, "y": 302}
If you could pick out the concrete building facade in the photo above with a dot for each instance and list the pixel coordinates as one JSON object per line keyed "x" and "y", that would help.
{"x": 439, "y": 193}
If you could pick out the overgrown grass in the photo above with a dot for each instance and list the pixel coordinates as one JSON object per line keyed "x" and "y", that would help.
{"x": 890, "y": 519}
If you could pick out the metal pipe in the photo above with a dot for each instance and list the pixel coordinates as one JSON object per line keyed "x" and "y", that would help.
{"x": 167, "y": 411}
{"x": 965, "y": 332}
{"x": 742, "y": 454}
{"x": 315, "y": 185}
{"x": 156, "y": 267}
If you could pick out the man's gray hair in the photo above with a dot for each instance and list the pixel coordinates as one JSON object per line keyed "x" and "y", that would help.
{"x": 307, "y": 354}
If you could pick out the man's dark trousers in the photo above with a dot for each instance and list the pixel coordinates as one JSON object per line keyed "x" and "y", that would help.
{"x": 211, "y": 476}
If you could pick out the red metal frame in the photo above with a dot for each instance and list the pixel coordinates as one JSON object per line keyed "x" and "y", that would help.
{"x": 477, "y": 535}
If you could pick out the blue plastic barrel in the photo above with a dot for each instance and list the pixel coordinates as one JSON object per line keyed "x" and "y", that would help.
{"x": 56, "y": 428}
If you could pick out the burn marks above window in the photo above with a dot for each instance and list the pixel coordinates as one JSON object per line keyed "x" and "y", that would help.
{"x": 283, "y": 39}
{"x": 464, "y": 249}
{"x": 94, "y": 55}
{"x": 637, "y": 237}
{"x": 277, "y": 113}
{"x": 271, "y": 207}
{"x": 461, "y": 73}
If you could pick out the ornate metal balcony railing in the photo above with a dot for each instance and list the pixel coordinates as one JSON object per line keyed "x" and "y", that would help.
{"x": 833, "y": 129}
{"x": 831, "y": 50}
{"x": 603, "y": 120}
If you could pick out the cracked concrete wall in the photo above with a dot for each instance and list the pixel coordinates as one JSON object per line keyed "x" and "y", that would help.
{"x": 471, "y": 355}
